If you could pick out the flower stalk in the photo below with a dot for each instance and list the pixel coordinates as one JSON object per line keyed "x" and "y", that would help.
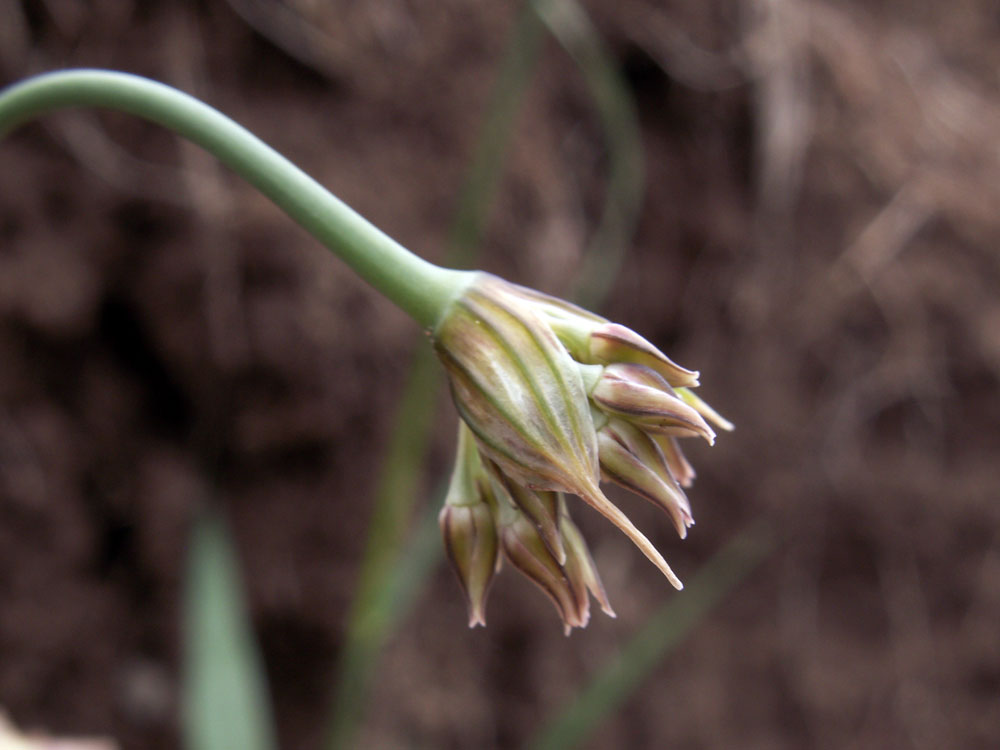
{"x": 553, "y": 398}
{"x": 421, "y": 289}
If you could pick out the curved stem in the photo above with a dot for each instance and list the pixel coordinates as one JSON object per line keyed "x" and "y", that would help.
{"x": 420, "y": 288}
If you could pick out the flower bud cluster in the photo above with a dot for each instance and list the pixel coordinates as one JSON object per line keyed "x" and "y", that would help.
{"x": 554, "y": 399}
{"x": 487, "y": 517}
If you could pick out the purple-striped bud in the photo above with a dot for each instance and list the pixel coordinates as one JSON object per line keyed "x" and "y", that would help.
{"x": 592, "y": 339}
{"x": 695, "y": 402}
{"x": 541, "y": 507}
{"x": 468, "y": 528}
{"x": 630, "y": 458}
{"x": 643, "y": 397}
{"x": 524, "y": 548}
{"x": 518, "y": 389}
{"x": 470, "y": 540}
{"x": 612, "y": 343}
{"x": 579, "y": 567}
{"x": 677, "y": 462}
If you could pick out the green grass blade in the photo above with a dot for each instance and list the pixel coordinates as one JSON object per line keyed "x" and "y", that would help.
{"x": 373, "y": 612}
{"x": 389, "y": 581}
{"x": 612, "y": 97}
{"x": 611, "y": 686}
{"x": 225, "y": 697}
{"x": 487, "y": 163}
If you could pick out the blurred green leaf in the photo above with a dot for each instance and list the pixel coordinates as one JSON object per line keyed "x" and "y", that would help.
{"x": 623, "y": 200}
{"x": 389, "y": 580}
{"x": 612, "y": 685}
{"x": 567, "y": 21}
{"x": 374, "y": 612}
{"x": 225, "y": 697}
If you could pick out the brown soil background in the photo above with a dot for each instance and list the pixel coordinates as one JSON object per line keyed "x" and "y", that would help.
{"x": 820, "y": 237}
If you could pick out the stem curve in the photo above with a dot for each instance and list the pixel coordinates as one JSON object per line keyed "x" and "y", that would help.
{"x": 422, "y": 289}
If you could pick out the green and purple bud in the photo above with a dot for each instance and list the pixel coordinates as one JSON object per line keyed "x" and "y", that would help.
{"x": 688, "y": 397}
{"x": 468, "y": 528}
{"x": 518, "y": 389}
{"x": 613, "y": 343}
{"x": 541, "y": 507}
{"x": 677, "y": 462}
{"x": 579, "y": 567}
{"x": 524, "y": 549}
{"x": 640, "y": 395}
{"x": 630, "y": 458}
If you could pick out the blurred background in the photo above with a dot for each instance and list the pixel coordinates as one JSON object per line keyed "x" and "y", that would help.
{"x": 806, "y": 197}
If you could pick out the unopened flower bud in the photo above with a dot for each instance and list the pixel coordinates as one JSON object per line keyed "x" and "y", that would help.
{"x": 541, "y": 507}
{"x": 612, "y": 343}
{"x": 518, "y": 389}
{"x": 526, "y": 551}
{"x": 633, "y": 460}
{"x": 693, "y": 400}
{"x": 468, "y": 529}
{"x": 642, "y": 396}
{"x": 677, "y": 462}
{"x": 470, "y": 540}
{"x": 579, "y": 567}
{"x": 592, "y": 339}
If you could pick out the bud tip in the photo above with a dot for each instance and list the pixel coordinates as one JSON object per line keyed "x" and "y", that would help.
{"x": 477, "y": 618}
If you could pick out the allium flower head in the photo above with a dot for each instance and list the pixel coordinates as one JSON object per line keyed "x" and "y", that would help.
{"x": 553, "y": 399}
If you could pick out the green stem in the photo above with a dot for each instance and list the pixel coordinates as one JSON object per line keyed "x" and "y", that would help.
{"x": 420, "y": 288}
